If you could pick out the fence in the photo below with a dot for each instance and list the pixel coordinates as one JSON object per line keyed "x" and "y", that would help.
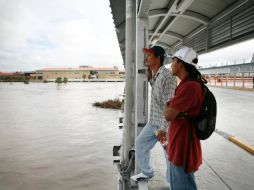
{"x": 236, "y": 80}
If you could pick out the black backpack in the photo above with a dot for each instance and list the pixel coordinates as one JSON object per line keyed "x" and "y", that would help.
{"x": 206, "y": 119}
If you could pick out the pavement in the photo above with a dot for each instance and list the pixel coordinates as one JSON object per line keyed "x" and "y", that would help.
{"x": 225, "y": 166}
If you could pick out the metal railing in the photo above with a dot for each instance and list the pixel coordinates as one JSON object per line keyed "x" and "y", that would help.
{"x": 236, "y": 80}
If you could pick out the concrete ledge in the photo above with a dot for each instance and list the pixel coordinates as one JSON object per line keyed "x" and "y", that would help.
{"x": 243, "y": 145}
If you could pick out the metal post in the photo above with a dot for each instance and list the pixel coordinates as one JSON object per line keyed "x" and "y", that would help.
{"x": 128, "y": 130}
{"x": 129, "y": 98}
{"x": 141, "y": 95}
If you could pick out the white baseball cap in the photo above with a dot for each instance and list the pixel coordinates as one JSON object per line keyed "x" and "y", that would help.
{"x": 186, "y": 54}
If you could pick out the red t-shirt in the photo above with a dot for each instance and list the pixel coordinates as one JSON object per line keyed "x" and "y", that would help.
{"x": 184, "y": 149}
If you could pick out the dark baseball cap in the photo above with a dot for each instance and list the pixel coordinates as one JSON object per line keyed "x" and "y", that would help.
{"x": 155, "y": 49}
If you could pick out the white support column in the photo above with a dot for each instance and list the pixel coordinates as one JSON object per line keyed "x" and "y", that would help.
{"x": 129, "y": 79}
{"x": 141, "y": 92}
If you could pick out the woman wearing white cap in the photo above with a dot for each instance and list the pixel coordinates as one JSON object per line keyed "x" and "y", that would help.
{"x": 184, "y": 149}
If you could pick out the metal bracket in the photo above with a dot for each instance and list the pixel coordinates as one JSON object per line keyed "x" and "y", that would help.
{"x": 120, "y": 125}
{"x": 141, "y": 124}
{"x": 141, "y": 71}
{"x": 116, "y": 161}
{"x": 120, "y": 119}
{"x": 116, "y": 150}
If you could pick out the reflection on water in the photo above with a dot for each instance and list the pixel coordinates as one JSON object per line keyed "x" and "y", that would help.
{"x": 53, "y": 138}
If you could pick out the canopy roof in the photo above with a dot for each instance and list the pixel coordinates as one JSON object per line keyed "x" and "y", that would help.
{"x": 205, "y": 25}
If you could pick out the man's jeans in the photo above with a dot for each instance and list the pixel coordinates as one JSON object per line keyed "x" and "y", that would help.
{"x": 144, "y": 143}
{"x": 180, "y": 180}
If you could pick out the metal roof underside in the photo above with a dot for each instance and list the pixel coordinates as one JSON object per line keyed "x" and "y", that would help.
{"x": 205, "y": 25}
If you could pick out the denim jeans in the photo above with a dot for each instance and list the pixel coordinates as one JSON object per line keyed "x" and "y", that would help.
{"x": 144, "y": 143}
{"x": 180, "y": 180}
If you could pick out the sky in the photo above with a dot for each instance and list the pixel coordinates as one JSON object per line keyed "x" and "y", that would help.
{"x": 36, "y": 34}
{"x": 235, "y": 54}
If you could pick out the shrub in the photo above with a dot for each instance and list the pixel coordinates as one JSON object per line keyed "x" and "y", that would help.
{"x": 112, "y": 104}
{"x": 58, "y": 80}
{"x": 65, "y": 80}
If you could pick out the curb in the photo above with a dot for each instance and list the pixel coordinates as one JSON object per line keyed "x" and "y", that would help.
{"x": 243, "y": 145}
{"x": 234, "y": 88}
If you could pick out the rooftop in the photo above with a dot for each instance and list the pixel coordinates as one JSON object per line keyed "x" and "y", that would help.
{"x": 79, "y": 69}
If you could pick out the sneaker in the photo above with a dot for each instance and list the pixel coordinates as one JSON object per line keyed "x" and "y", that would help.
{"x": 140, "y": 176}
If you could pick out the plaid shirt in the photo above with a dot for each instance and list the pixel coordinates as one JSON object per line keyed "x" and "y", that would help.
{"x": 163, "y": 88}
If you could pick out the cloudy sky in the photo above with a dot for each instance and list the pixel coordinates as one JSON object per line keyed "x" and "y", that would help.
{"x": 36, "y": 34}
{"x": 56, "y": 33}
{"x": 236, "y": 54}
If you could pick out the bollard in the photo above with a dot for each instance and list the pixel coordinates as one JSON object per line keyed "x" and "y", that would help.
{"x": 243, "y": 145}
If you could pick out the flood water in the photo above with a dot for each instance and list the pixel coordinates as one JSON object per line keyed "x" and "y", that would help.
{"x": 52, "y": 138}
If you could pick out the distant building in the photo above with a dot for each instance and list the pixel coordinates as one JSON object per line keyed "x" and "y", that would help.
{"x": 79, "y": 74}
{"x": 11, "y": 76}
{"x": 237, "y": 69}
{"x": 5, "y": 74}
{"x": 31, "y": 75}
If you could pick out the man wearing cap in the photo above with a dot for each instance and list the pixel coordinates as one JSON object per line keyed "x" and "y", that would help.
{"x": 184, "y": 149}
{"x": 163, "y": 85}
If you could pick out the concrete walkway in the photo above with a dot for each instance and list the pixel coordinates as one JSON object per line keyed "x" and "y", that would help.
{"x": 225, "y": 166}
